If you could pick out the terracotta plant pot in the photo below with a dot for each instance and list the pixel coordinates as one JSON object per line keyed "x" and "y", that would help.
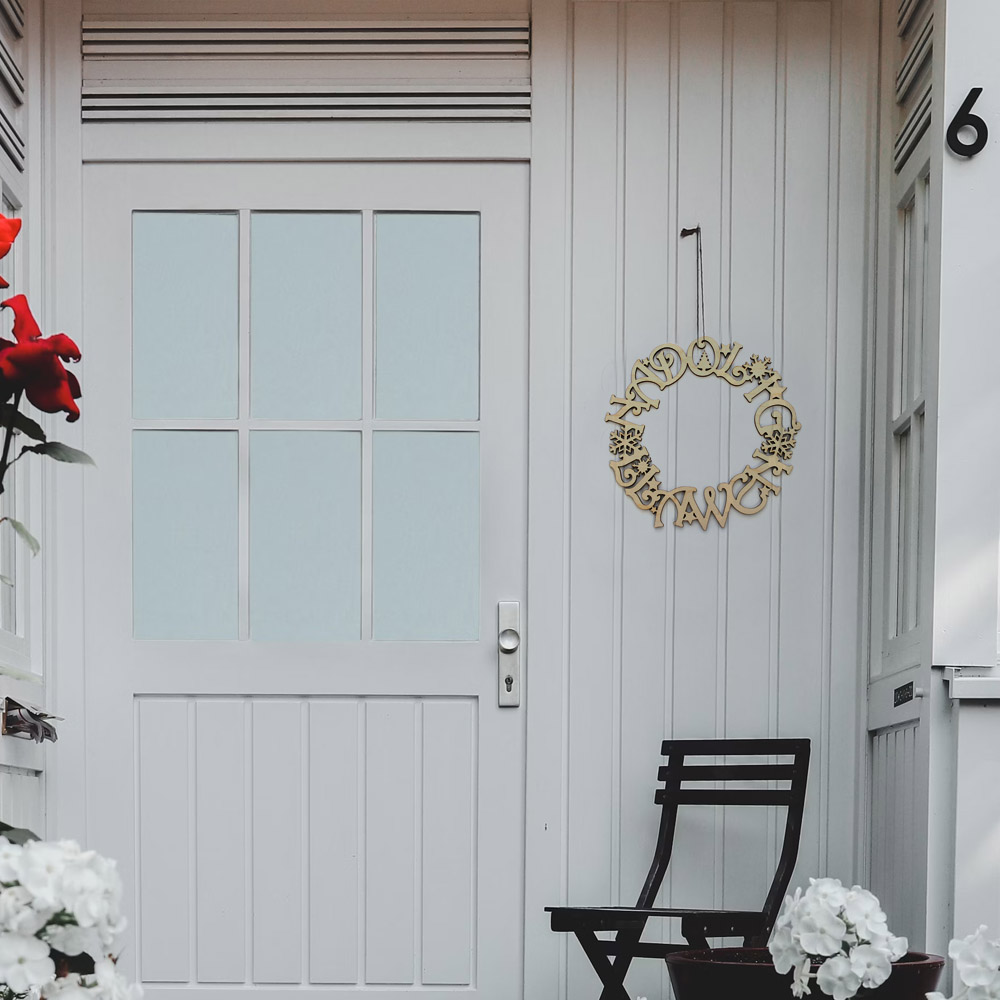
{"x": 747, "y": 974}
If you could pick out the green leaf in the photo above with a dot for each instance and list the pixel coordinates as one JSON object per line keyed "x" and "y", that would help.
{"x": 16, "y": 835}
{"x": 7, "y": 580}
{"x": 27, "y": 536}
{"x": 22, "y": 422}
{"x": 62, "y": 452}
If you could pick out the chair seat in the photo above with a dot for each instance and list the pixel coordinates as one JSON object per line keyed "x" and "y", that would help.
{"x": 612, "y": 918}
{"x": 716, "y": 923}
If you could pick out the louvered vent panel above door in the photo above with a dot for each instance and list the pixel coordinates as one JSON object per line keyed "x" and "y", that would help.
{"x": 12, "y": 83}
{"x": 915, "y": 47}
{"x": 368, "y": 104}
{"x": 226, "y": 70}
{"x": 201, "y": 39}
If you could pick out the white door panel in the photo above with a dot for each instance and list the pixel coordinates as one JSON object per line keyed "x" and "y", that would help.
{"x": 294, "y": 744}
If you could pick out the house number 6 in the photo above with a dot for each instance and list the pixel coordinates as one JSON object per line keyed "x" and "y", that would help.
{"x": 965, "y": 119}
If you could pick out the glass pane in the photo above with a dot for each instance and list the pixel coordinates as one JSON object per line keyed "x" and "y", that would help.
{"x": 185, "y": 518}
{"x": 426, "y": 535}
{"x": 427, "y": 316}
{"x": 185, "y": 314}
{"x": 305, "y": 315}
{"x": 305, "y": 535}
{"x": 901, "y": 488}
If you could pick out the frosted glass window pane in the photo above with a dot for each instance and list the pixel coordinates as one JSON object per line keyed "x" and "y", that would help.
{"x": 305, "y": 535}
{"x": 426, "y": 535}
{"x": 305, "y": 316}
{"x": 185, "y": 520}
{"x": 185, "y": 314}
{"x": 427, "y": 316}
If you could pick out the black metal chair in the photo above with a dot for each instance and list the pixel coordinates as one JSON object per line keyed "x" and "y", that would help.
{"x": 754, "y": 926}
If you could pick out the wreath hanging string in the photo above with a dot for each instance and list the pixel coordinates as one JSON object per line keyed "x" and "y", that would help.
{"x": 775, "y": 419}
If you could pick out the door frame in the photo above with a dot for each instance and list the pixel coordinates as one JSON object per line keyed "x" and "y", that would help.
{"x": 549, "y": 352}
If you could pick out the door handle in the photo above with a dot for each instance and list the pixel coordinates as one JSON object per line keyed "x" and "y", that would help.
{"x": 508, "y": 654}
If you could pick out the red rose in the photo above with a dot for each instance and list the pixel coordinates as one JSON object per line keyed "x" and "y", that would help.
{"x": 9, "y": 228}
{"x": 33, "y": 365}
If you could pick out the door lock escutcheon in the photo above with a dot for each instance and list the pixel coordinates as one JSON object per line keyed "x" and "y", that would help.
{"x": 508, "y": 654}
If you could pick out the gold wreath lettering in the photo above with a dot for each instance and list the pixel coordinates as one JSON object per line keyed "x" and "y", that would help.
{"x": 749, "y": 491}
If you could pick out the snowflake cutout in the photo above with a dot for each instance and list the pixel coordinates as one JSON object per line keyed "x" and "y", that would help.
{"x": 625, "y": 441}
{"x": 778, "y": 442}
{"x": 760, "y": 368}
{"x": 642, "y": 465}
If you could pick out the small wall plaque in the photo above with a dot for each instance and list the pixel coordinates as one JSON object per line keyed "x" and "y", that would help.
{"x": 902, "y": 694}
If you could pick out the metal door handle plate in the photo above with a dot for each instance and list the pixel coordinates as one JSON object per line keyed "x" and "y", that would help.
{"x": 508, "y": 654}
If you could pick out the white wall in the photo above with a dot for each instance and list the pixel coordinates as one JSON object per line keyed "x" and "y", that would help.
{"x": 749, "y": 119}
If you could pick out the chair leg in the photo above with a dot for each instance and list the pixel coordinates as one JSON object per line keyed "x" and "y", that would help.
{"x": 611, "y": 974}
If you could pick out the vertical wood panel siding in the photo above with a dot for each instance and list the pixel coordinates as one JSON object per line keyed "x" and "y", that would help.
{"x": 648, "y": 213}
{"x": 220, "y": 774}
{"x": 22, "y": 797}
{"x": 893, "y": 808}
{"x": 594, "y": 547}
{"x": 727, "y": 115}
{"x": 332, "y": 839}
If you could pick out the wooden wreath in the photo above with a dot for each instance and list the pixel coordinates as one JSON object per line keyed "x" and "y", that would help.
{"x": 775, "y": 420}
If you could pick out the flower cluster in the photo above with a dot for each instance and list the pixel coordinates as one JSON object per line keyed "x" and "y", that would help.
{"x": 842, "y": 931}
{"x": 977, "y": 962}
{"x": 60, "y": 913}
{"x": 33, "y": 366}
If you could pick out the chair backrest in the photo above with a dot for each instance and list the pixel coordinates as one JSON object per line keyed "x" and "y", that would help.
{"x": 678, "y": 774}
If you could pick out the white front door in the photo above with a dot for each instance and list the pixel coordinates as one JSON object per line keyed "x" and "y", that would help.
{"x": 306, "y": 391}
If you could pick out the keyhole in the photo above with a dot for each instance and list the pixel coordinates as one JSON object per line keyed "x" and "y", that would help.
{"x": 509, "y": 681}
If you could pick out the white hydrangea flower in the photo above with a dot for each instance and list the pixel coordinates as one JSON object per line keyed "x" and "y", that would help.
{"x": 863, "y": 911}
{"x": 991, "y": 991}
{"x": 18, "y": 914}
{"x": 894, "y": 947}
{"x": 785, "y": 951}
{"x": 821, "y": 932}
{"x": 10, "y": 861}
{"x": 829, "y": 892}
{"x": 42, "y": 866}
{"x": 871, "y": 964}
{"x": 53, "y": 895}
{"x": 841, "y": 930}
{"x": 790, "y": 903}
{"x": 91, "y": 890}
{"x": 24, "y": 962}
{"x": 837, "y": 979}
{"x": 976, "y": 958}
{"x": 800, "y": 981}
{"x": 977, "y": 962}
{"x": 73, "y": 940}
{"x": 111, "y": 985}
